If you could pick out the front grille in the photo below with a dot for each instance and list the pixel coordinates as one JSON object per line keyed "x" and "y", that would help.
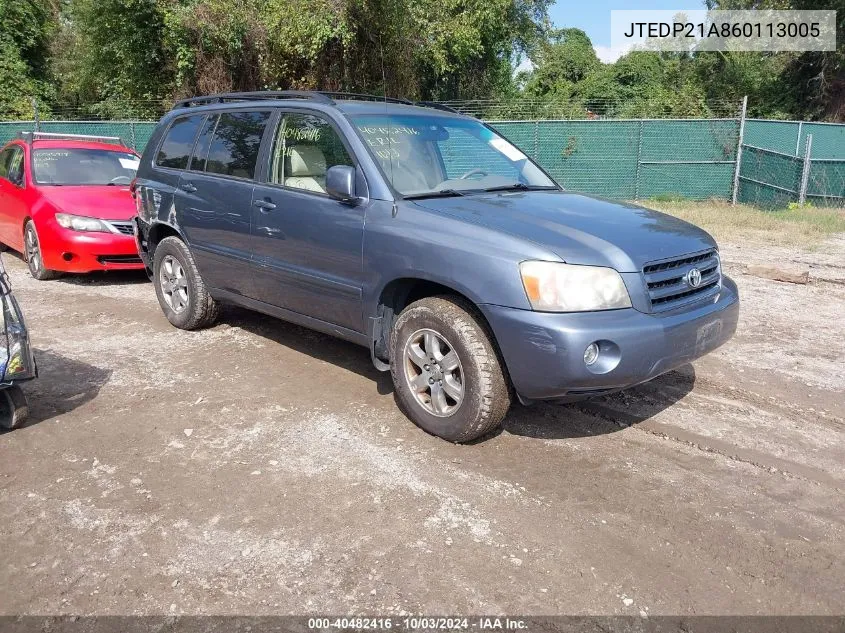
{"x": 124, "y": 228}
{"x": 669, "y": 283}
{"x": 119, "y": 259}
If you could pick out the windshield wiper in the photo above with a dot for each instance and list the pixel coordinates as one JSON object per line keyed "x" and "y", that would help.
{"x": 521, "y": 186}
{"x": 443, "y": 193}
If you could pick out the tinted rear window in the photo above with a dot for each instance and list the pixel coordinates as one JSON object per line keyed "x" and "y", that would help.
{"x": 177, "y": 145}
{"x": 236, "y": 143}
{"x": 202, "y": 144}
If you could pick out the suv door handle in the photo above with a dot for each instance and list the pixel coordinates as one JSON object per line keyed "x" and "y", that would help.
{"x": 189, "y": 187}
{"x": 264, "y": 205}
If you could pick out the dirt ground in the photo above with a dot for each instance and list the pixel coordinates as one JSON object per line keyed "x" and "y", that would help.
{"x": 260, "y": 468}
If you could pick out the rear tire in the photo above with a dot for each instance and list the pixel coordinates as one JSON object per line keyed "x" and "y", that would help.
{"x": 33, "y": 255}
{"x": 446, "y": 373}
{"x": 181, "y": 292}
{"x": 14, "y": 408}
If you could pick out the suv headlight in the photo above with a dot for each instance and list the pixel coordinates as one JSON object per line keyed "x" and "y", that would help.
{"x": 557, "y": 287}
{"x": 81, "y": 223}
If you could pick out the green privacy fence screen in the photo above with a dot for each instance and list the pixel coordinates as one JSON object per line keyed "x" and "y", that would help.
{"x": 635, "y": 159}
{"x": 776, "y": 164}
{"x": 134, "y": 133}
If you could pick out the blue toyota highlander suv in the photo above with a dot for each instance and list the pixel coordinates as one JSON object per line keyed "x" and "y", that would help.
{"x": 428, "y": 238}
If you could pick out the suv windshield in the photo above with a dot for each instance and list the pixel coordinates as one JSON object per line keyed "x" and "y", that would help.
{"x": 60, "y": 166}
{"x": 434, "y": 155}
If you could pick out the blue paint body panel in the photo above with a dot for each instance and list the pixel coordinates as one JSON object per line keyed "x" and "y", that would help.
{"x": 324, "y": 263}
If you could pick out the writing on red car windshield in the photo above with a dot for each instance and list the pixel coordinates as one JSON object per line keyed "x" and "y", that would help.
{"x": 83, "y": 167}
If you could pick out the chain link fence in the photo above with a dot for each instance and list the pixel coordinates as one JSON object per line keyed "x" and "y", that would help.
{"x": 660, "y": 157}
{"x": 792, "y": 161}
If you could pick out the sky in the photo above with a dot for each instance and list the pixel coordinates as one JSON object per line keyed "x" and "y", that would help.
{"x": 593, "y": 17}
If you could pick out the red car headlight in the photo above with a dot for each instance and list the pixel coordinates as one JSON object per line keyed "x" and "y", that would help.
{"x": 81, "y": 223}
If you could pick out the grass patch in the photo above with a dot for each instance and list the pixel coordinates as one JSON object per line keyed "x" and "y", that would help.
{"x": 807, "y": 227}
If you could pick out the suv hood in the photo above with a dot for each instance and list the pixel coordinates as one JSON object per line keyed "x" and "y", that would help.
{"x": 580, "y": 229}
{"x": 103, "y": 202}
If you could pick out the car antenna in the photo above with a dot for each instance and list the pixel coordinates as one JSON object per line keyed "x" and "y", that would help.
{"x": 389, "y": 143}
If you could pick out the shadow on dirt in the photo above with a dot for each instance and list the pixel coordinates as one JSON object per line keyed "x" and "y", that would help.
{"x": 601, "y": 415}
{"x": 317, "y": 345}
{"x": 63, "y": 384}
{"x": 597, "y": 416}
{"x": 105, "y": 278}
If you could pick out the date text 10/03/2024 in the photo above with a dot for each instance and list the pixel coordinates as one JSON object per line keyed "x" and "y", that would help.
{"x": 483, "y": 623}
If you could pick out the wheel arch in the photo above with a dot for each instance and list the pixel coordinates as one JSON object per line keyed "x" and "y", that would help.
{"x": 158, "y": 231}
{"x": 401, "y": 292}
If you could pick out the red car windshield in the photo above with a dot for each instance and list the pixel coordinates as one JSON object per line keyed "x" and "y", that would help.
{"x": 61, "y": 166}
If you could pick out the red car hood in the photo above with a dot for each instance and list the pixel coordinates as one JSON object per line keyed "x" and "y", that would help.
{"x": 104, "y": 202}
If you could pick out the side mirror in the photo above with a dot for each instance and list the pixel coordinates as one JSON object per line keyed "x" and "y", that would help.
{"x": 340, "y": 183}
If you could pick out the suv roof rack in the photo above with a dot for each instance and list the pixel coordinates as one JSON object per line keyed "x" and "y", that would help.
{"x": 327, "y": 97}
{"x": 29, "y": 137}
{"x": 357, "y": 96}
{"x": 438, "y": 106}
{"x": 262, "y": 95}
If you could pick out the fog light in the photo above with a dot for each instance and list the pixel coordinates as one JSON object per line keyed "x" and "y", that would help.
{"x": 591, "y": 354}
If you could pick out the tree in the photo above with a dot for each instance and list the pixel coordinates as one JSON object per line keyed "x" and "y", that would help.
{"x": 110, "y": 53}
{"x": 25, "y": 31}
{"x": 134, "y": 52}
{"x": 563, "y": 60}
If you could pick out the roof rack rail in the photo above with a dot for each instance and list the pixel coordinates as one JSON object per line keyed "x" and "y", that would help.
{"x": 438, "y": 106}
{"x": 321, "y": 96}
{"x": 29, "y": 137}
{"x": 326, "y": 97}
{"x": 262, "y": 95}
{"x": 357, "y": 96}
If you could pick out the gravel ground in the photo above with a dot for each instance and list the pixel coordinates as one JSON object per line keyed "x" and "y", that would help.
{"x": 260, "y": 468}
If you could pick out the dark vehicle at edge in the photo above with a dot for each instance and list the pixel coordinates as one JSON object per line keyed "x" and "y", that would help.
{"x": 17, "y": 362}
{"x": 427, "y": 237}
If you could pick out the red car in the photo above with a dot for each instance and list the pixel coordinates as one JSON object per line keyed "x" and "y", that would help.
{"x": 65, "y": 203}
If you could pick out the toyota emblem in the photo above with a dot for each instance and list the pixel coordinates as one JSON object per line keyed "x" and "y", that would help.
{"x": 694, "y": 278}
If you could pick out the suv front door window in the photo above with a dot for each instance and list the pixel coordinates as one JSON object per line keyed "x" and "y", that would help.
{"x": 304, "y": 148}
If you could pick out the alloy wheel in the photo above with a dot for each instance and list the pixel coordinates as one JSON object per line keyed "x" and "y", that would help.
{"x": 33, "y": 252}
{"x": 174, "y": 284}
{"x": 434, "y": 372}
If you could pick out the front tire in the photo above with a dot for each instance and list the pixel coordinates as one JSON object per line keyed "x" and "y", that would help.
{"x": 446, "y": 373}
{"x": 33, "y": 255}
{"x": 182, "y": 294}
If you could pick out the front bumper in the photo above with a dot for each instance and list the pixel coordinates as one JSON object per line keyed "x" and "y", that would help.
{"x": 544, "y": 352}
{"x": 81, "y": 252}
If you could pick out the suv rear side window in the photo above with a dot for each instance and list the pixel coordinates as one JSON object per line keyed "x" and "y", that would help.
{"x": 236, "y": 143}
{"x": 177, "y": 145}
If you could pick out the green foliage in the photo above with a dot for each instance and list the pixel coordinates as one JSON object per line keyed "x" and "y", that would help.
{"x": 130, "y": 58}
{"x": 690, "y": 84}
{"x": 127, "y": 57}
{"x": 566, "y": 58}
{"x": 25, "y": 31}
